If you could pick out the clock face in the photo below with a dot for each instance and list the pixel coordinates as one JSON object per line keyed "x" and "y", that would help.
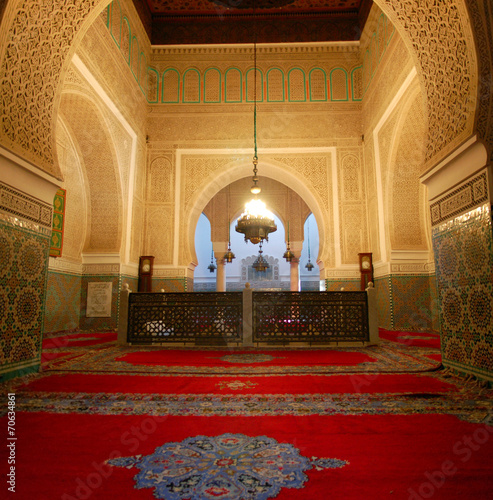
{"x": 365, "y": 264}
{"x": 146, "y": 268}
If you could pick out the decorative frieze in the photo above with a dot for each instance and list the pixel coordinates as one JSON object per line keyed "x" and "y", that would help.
{"x": 169, "y": 273}
{"x": 413, "y": 268}
{"x": 99, "y": 269}
{"x": 64, "y": 266}
{"x": 470, "y": 194}
{"x": 22, "y": 205}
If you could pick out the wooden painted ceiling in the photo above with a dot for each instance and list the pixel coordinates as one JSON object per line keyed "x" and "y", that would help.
{"x": 238, "y": 21}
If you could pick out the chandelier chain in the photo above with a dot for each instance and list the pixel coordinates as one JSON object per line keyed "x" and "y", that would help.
{"x": 255, "y": 84}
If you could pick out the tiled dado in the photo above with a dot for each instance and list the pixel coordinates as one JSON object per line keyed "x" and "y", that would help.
{"x": 404, "y": 302}
{"x": 63, "y": 295}
{"x": 407, "y": 302}
{"x": 25, "y": 230}
{"x": 464, "y": 270}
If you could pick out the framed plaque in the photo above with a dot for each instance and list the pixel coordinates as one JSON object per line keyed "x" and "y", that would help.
{"x": 99, "y": 295}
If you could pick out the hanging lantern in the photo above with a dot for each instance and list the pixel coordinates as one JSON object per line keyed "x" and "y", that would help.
{"x": 229, "y": 255}
{"x": 309, "y": 266}
{"x": 260, "y": 263}
{"x": 288, "y": 255}
{"x": 212, "y": 266}
{"x": 256, "y": 222}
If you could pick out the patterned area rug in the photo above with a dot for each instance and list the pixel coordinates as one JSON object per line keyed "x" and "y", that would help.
{"x": 389, "y": 357}
{"x": 104, "y": 421}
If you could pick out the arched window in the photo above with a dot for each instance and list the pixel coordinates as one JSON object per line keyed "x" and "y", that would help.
{"x": 191, "y": 86}
{"x": 170, "y": 86}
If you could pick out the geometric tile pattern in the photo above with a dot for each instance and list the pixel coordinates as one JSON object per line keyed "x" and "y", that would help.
{"x": 407, "y": 302}
{"x": 464, "y": 270}
{"x": 170, "y": 284}
{"x": 62, "y": 302}
{"x": 23, "y": 264}
{"x": 384, "y": 302}
{"x": 412, "y": 303}
{"x": 348, "y": 285}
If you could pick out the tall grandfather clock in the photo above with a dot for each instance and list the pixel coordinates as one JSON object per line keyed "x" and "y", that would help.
{"x": 146, "y": 264}
{"x": 365, "y": 269}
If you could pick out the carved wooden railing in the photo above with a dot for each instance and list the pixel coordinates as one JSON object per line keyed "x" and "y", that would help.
{"x": 310, "y": 317}
{"x": 248, "y": 318}
{"x": 201, "y": 318}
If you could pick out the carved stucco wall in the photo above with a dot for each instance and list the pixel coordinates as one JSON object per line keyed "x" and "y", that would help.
{"x": 310, "y": 175}
{"x": 76, "y": 208}
{"x": 385, "y": 77}
{"x": 399, "y": 126}
{"x": 104, "y": 60}
{"x": 441, "y": 41}
{"x": 33, "y": 61}
{"x": 160, "y": 207}
{"x": 372, "y": 198}
{"x": 34, "y": 49}
{"x": 99, "y": 159}
{"x": 353, "y": 225}
{"x": 116, "y": 141}
{"x": 407, "y": 224}
{"x": 395, "y": 130}
{"x": 481, "y": 15}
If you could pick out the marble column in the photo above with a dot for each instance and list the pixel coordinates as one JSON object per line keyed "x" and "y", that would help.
{"x": 295, "y": 275}
{"x": 296, "y": 247}
{"x": 220, "y": 273}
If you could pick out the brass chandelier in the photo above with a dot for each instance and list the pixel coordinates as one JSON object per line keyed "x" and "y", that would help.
{"x": 256, "y": 222}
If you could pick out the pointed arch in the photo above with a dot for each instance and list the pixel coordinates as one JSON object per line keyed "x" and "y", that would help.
{"x": 100, "y": 165}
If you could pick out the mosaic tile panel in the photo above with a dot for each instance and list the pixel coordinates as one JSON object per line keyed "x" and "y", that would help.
{"x": 62, "y": 306}
{"x": 348, "y": 285}
{"x": 384, "y": 302}
{"x": 434, "y": 305}
{"x": 23, "y": 265}
{"x": 464, "y": 268}
{"x": 309, "y": 286}
{"x": 206, "y": 287}
{"x": 412, "y": 303}
{"x": 171, "y": 285}
{"x": 132, "y": 282}
{"x": 110, "y": 323}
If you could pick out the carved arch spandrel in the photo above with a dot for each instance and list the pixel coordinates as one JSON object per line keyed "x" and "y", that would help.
{"x": 28, "y": 127}
{"x": 234, "y": 171}
{"x": 34, "y": 57}
{"x": 441, "y": 42}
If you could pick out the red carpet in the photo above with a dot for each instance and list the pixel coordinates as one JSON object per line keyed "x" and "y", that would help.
{"x": 106, "y": 422}
{"x": 79, "y": 340}
{"x": 411, "y": 338}
{"x": 251, "y": 357}
{"x": 302, "y": 384}
{"x": 63, "y": 456}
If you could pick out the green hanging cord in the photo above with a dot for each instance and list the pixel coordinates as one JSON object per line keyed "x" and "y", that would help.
{"x": 255, "y": 79}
